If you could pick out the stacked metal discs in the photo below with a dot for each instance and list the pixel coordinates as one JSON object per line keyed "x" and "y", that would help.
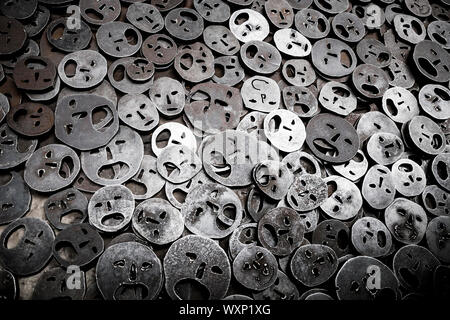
{"x": 224, "y": 149}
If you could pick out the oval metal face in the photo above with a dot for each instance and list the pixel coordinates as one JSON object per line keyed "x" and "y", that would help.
{"x": 258, "y": 204}
{"x": 14, "y": 149}
{"x": 116, "y": 162}
{"x": 212, "y": 211}
{"x": 354, "y": 169}
{"x": 436, "y": 200}
{"x": 85, "y": 122}
{"x": 440, "y": 168}
{"x": 292, "y": 43}
{"x": 338, "y": 98}
{"x": 435, "y": 101}
{"x": 385, "y": 148}
{"x": 371, "y": 238}
{"x": 194, "y": 62}
{"x": 159, "y": 49}
{"x": 145, "y": 17}
{"x": 432, "y": 61}
{"x": 414, "y": 266}
{"x": 378, "y": 187}
{"x": 261, "y": 94}
{"x": 332, "y": 6}
{"x": 281, "y": 231}
{"x": 426, "y": 135}
{"x": 299, "y": 72}
{"x": 16, "y": 198}
{"x": 437, "y": 235}
{"x": 30, "y": 119}
{"x": 409, "y": 177}
{"x": 255, "y": 268}
{"x": 280, "y": 13}
{"x": 129, "y": 271}
{"x": 111, "y": 208}
{"x": 168, "y": 95}
{"x": 370, "y": 81}
{"x": 261, "y": 57}
{"x": 334, "y": 234}
{"x": 34, "y": 73}
{"x": 104, "y": 11}
{"x": 221, "y": 40}
{"x": 409, "y": 28}
{"x": 348, "y": 27}
{"x": 333, "y": 57}
{"x": 66, "y": 208}
{"x": 206, "y": 267}
{"x": 355, "y": 280}
{"x": 344, "y": 202}
{"x": 249, "y": 25}
{"x": 312, "y": 23}
{"x": 178, "y": 164}
{"x": 213, "y": 108}
{"x": 33, "y": 246}
{"x": 400, "y": 104}
{"x": 118, "y": 39}
{"x": 406, "y": 220}
{"x": 400, "y": 74}
{"x": 14, "y": 36}
{"x": 439, "y": 31}
{"x": 332, "y": 138}
{"x": 301, "y": 101}
{"x": 372, "y": 51}
{"x": 83, "y": 239}
{"x": 285, "y": 130}
{"x": 213, "y": 10}
{"x": 307, "y": 192}
{"x": 158, "y": 221}
{"x": 140, "y": 70}
{"x": 51, "y": 168}
{"x": 72, "y": 39}
{"x": 313, "y": 264}
{"x": 419, "y": 8}
{"x": 82, "y": 69}
{"x": 37, "y": 22}
{"x": 138, "y": 111}
{"x": 184, "y": 24}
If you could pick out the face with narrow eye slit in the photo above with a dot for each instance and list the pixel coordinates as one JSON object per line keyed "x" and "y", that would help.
{"x": 378, "y": 187}
{"x": 116, "y": 162}
{"x": 333, "y": 57}
{"x": 212, "y": 210}
{"x": 385, "y": 148}
{"x": 145, "y": 17}
{"x": 129, "y": 271}
{"x": 409, "y": 177}
{"x": 213, "y": 10}
{"x": 220, "y": 39}
{"x": 160, "y": 49}
{"x": 195, "y": 62}
{"x": 338, "y": 98}
{"x": 65, "y": 208}
{"x": 261, "y": 57}
{"x": 110, "y": 209}
{"x": 138, "y": 112}
{"x": 285, "y": 130}
{"x": 406, "y": 220}
{"x": 118, "y": 39}
{"x": 206, "y": 271}
{"x": 280, "y": 13}
{"x": 371, "y": 237}
{"x": 312, "y": 23}
{"x": 185, "y": 24}
{"x": 307, "y": 192}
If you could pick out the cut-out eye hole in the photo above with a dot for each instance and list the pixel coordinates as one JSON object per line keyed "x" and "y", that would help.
{"x": 216, "y": 269}
{"x": 119, "y": 263}
{"x": 308, "y": 254}
{"x": 146, "y": 266}
{"x": 192, "y": 256}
